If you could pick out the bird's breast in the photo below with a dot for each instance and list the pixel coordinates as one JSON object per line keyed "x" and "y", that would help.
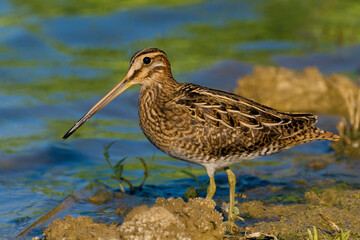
{"x": 166, "y": 128}
{"x": 152, "y": 117}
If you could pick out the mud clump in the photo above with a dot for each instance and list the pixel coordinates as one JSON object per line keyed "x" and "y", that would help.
{"x": 284, "y": 89}
{"x": 83, "y": 227}
{"x": 292, "y": 221}
{"x": 174, "y": 219}
{"x": 166, "y": 219}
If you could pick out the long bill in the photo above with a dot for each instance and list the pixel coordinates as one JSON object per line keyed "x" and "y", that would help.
{"x": 122, "y": 86}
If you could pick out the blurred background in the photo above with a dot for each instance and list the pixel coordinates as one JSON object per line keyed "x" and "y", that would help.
{"x": 58, "y": 58}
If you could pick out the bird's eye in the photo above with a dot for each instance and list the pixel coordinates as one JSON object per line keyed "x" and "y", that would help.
{"x": 147, "y": 60}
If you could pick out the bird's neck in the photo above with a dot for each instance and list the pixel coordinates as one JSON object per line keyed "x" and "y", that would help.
{"x": 157, "y": 92}
{"x": 152, "y": 103}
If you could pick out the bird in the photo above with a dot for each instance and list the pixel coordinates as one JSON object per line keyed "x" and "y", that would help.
{"x": 208, "y": 127}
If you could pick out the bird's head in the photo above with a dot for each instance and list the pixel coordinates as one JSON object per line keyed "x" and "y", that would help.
{"x": 147, "y": 66}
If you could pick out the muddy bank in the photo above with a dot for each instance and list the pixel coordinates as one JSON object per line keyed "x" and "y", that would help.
{"x": 175, "y": 219}
{"x": 291, "y": 221}
{"x": 304, "y": 91}
{"x": 166, "y": 219}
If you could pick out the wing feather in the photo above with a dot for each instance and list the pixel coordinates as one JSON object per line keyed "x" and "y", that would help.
{"x": 218, "y": 109}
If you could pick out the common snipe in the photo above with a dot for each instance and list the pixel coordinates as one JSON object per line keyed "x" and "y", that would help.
{"x": 212, "y": 128}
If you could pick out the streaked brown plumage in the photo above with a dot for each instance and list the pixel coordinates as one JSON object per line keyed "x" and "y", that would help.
{"x": 208, "y": 127}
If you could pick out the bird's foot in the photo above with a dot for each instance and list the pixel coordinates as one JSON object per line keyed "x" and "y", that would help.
{"x": 231, "y": 226}
{"x": 232, "y": 216}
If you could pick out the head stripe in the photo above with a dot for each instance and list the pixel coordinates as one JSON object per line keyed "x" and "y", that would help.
{"x": 145, "y": 51}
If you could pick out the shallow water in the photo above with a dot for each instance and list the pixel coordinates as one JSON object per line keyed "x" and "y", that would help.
{"x": 59, "y": 58}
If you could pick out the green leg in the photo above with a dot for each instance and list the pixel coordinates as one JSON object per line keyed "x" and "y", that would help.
{"x": 232, "y": 183}
{"x": 211, "y": 188}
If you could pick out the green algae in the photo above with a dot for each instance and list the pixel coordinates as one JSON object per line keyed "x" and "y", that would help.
{"x": 90, "y": 7}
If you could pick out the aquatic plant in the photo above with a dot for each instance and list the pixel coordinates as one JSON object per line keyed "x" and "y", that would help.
{"x": 313, "y": 236}
{"x": 118, "y": 169}
{"x": 349, "y": 129}
{"x": 340, "y": 235}
{"x": 147, "y": 169}
{"x": 337, "y": 234}
{"x": 193, "y": 192}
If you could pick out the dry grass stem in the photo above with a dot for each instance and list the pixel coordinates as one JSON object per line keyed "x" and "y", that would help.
{"x": 331, "y": 223}
{"x": 349, "y": 129}
{"x": 353, "y": 107}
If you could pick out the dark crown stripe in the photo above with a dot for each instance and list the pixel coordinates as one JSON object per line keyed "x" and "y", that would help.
{"x": 145, "y": 51}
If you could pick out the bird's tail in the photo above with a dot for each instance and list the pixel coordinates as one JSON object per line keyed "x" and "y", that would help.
{"x": 319, "y": 134}
{"x": 314, "y": 133}
{"x": 309, "y": 135}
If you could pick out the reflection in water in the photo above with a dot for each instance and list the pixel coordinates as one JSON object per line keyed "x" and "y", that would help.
{"x": 57, "y": 58}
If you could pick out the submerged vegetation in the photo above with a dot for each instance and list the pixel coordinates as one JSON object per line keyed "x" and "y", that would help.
{"x": 118, "y": 170}
{"x": 193, "y": 192}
